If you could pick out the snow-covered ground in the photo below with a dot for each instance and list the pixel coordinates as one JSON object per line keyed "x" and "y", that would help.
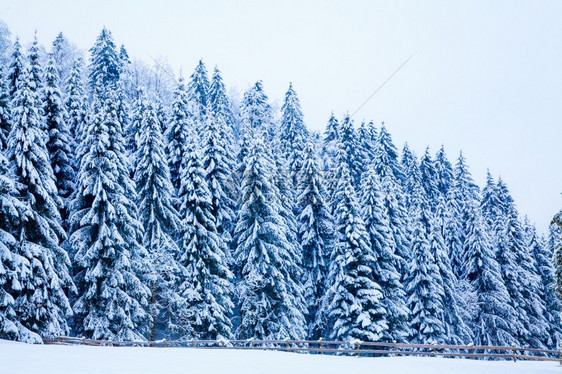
{"x": 18, "y": 358}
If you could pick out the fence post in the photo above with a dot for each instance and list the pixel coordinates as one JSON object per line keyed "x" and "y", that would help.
{"x": 357, "y": 347}
{"x": 560, "y": 355}
{"x": 433, "y": 350}
{"x": 322, "y": 350}
{"x": 514, "y": 356}
{"x": 287, "y": 345}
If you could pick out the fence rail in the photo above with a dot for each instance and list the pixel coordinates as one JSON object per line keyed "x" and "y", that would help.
{"x": 338, "y": 347}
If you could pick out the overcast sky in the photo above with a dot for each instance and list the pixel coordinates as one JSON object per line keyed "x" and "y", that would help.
{"x": 486, "y": 77}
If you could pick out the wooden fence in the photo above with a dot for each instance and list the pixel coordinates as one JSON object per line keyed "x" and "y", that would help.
{"x": 373, "y": 349}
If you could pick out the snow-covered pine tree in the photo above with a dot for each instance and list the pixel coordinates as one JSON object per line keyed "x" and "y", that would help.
{"x": 493, "y": 321}
{"x": 4, "y": 110}
{"x": 330, "y": 143}
{"x": 444, "y": 171}
{"x": 412, "y": 176}
{"x": 60, "y": 144}
{"x": 555, "y": 242}
{"x": 64, "y": 54}
{"x": 205, "y": 285}
{"x": 17, "y": 65}
{"x": 198, "y": 91}
{"x": 456, "y": 311}
{"x": 349, "y": 143}
{"x": 219, "y": 101}
{"x": 429, "y": 180}
{"x": 286, "y": 196}
{"x": 76, "y": 103}
{"x": 270, "y": 300}
{"x": 133, "y": 130}
{"x": 15, "y": 269}
{"x": 105, "y": 238}
{"x": 391, "y": 176}
{"x": 423, "y": 281}
{"x": 543, "y": 264}
{"x": 105, "y": 64}
{"x": 363, "y": 139}
{"x": 160, "y": 221}
{"x": 35, "y": 67}
{"x": 218, "y": 164}
{"x": 354, "y": 302}
{"x": 330, "y": 146}
{"x": 466, "y": 194}
{"x": 180, "y": 128}
{"x": 316, "y": 235}
{"x": 293, "y": 135}
{"x": 490, "y": 204}
{"x": 256, "y": 111}
{"x": 40, "y": 302}
{"x": 385, "y": 262}
{"x": 518, "y": 271}
{"x": 436, "y": 217}
{"x": 386, "y": 156}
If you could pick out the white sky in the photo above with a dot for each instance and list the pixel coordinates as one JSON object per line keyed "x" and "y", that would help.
{"x": 486, "y": 78}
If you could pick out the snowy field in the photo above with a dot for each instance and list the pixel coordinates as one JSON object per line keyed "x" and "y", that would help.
{"x": 18, "y": 358}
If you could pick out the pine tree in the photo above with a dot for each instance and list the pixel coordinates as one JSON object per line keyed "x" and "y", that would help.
{"x": 219, "y": 101}
{"x": 160, "y": 221}
{"x": 390, "y": 172}
{"x": 444, "y": 170}
{"x": 465, "y": 194}
{"x": 270, "y": 299}
{"x": 105, "y": 237}
{"x": 4, "y": 110}
{"x": 468, "y": 191}
{"x": 315, "y": 233}
{"x": 218, "y": 164}
{"x": 492, "y": 324}
{"x": 490, "y": 204}
{"x": 133, "y": 130}
{"x": 386, "y": 156}
{"x": 105, "y": 64}
{"x": 367, "y": 138}
{"x": 456, "y": 312}
{"x": 256, "y": 111}
{"x": 330, "y": 143}
{"x": 424, "y": 285}
{"x": 412, "y": 175}
{"x": 76, "y": 103}
{"x": 544, "y": 270}
{"x": 429, "y": 178}
{"x": 205, "y": 286}
{"x": 180, "y": 128}
{"x": 18, "y": 64}
{"x": 293, "y": 135}
{"x": 518, "y": 271}
{"x": 547, "y": 264}
{"x": 385, "y": 262}
{"x": 15, "y": 269}
{"x": 35, "y": 67}
{"x": 59, "y": 141}
{"x": 354, "y": 301}
{"x": 198, "y": 91}
{"x": 556, "y": 245}
{"x": 349, "y": 143}
{"x": 286, "y": 196}
{"x": 41, "y": 301}
{"x": 63, "y": 54}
